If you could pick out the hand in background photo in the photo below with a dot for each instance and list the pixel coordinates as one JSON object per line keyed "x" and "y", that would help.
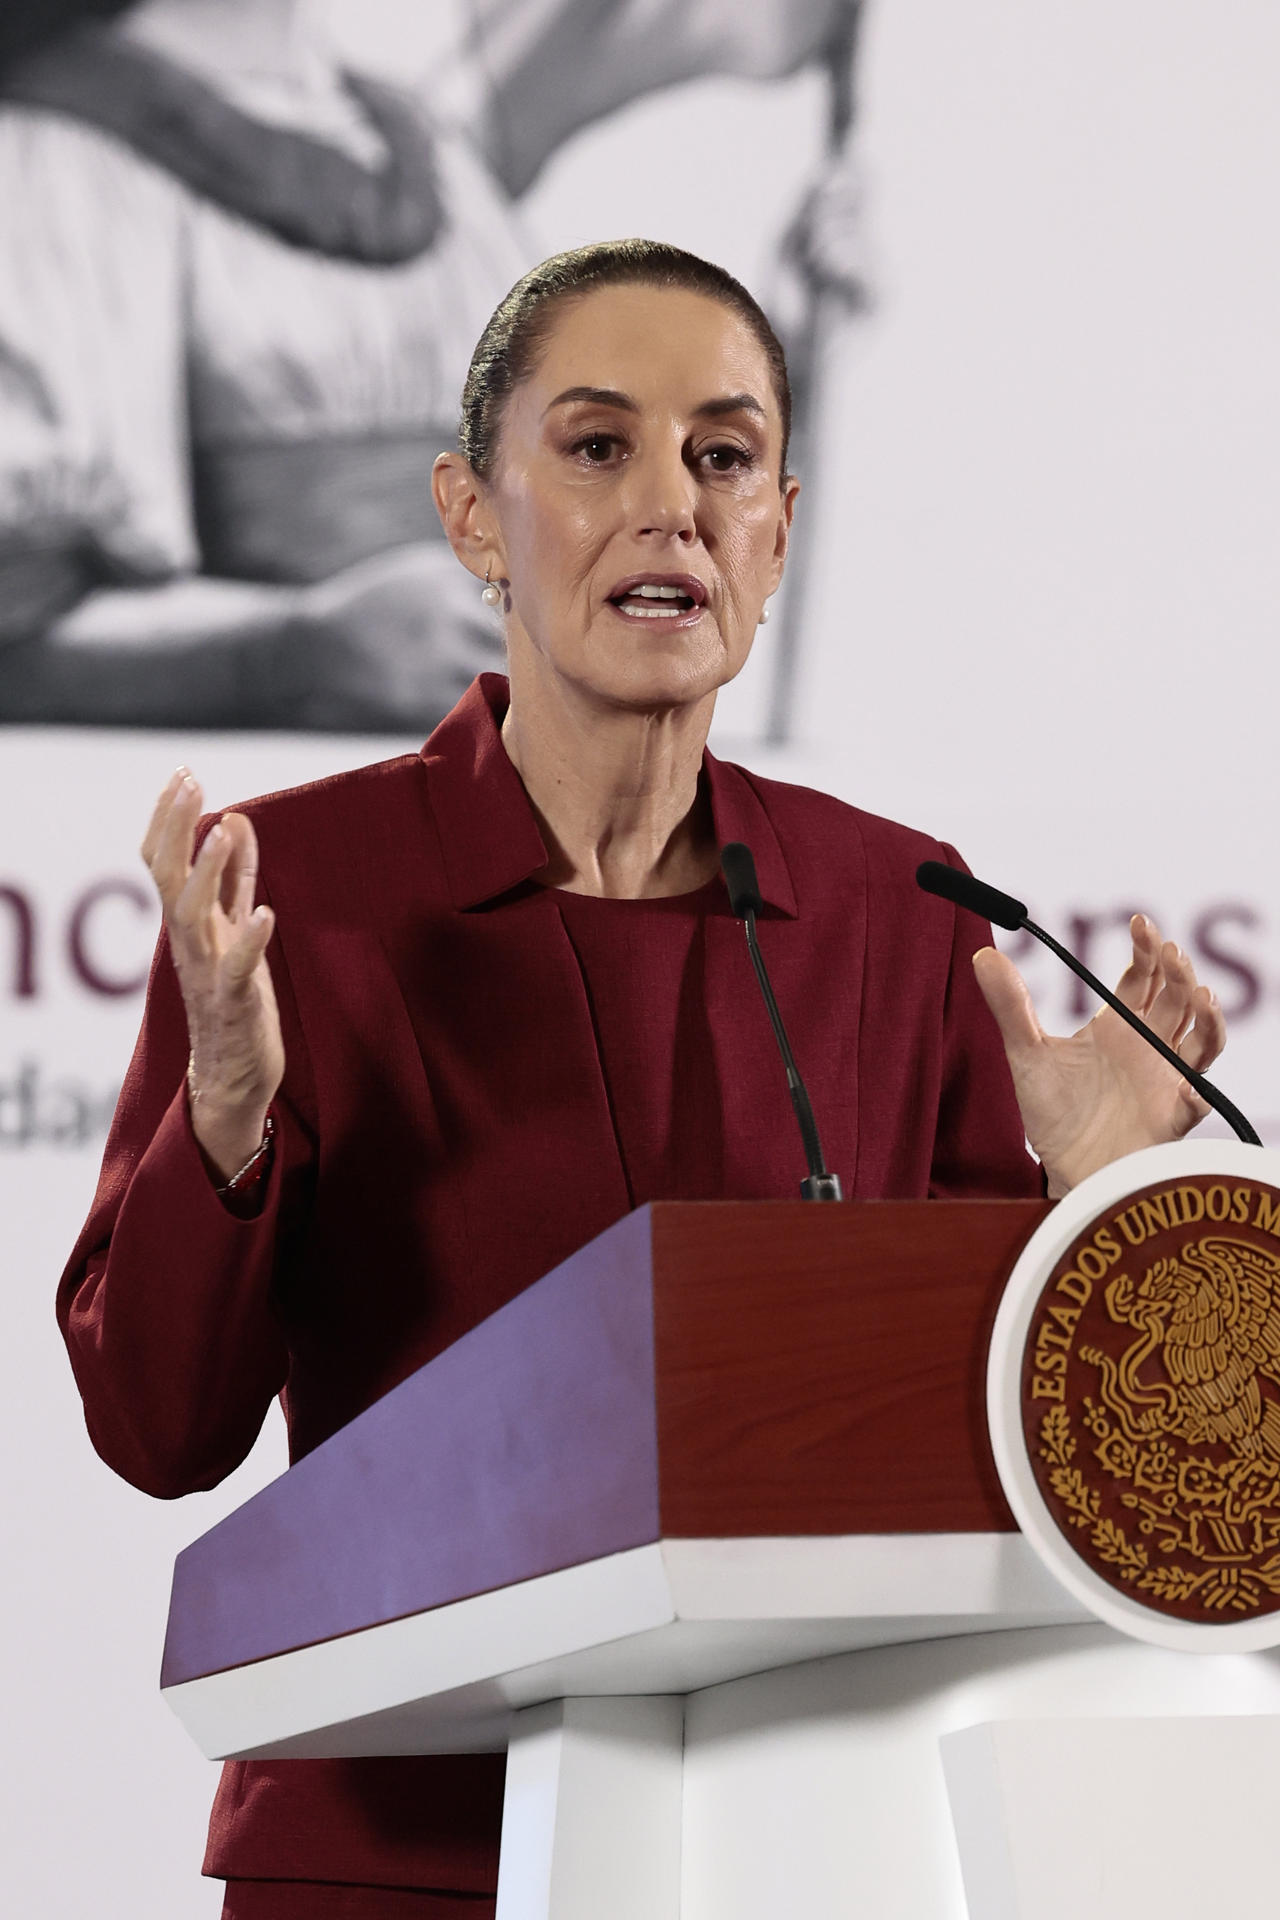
{"x": 386, "y": 645}
{"x": 825, "y": 245}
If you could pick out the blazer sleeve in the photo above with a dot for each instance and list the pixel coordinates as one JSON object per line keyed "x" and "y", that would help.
{"x": 980, "y": 1148}
{"x": 168, "y": 1304}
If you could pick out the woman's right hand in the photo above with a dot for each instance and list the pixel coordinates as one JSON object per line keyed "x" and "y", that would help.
{"x": 388, "y": 645}
{"x": 218, "y": 940}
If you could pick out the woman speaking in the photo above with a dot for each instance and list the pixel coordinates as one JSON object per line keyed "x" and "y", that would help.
{"x": 416, "y": 1033}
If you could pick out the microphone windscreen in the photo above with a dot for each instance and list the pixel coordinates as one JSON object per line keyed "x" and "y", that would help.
{"x": 950, "y": 884}
{"x": 739, "y": 871}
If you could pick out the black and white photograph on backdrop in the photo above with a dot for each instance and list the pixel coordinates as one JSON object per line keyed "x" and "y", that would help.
{"x": 241, "y": 272}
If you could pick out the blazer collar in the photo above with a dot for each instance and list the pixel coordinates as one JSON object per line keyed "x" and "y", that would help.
{"x": 489, "y": 836}
{"x": 739, "y": 813}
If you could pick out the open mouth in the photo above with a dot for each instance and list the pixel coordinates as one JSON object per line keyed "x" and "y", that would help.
{"x": 659, "y": 599}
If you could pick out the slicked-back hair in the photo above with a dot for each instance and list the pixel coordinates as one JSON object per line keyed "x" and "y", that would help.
{"x": 510, "y": 346}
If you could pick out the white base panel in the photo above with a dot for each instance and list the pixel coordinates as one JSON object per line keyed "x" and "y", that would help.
{"x": 591, "y": 1822}
{"x": 819, "y": 1790}
{"x": 1112, "y": 1818}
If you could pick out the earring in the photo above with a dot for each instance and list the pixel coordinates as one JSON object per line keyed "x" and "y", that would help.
{"x": 491, "y": 595}
{"x": 763, "y": 621}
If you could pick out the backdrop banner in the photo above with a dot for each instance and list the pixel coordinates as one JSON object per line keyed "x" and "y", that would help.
{"x": 1020, "y": 259}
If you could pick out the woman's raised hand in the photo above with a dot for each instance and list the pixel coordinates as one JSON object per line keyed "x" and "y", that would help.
{"x": 218, "y": 940}
{"x": 1103, "y": 1092}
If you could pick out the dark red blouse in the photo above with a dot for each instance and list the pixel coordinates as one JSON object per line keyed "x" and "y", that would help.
{"x": 482, "y": 1075}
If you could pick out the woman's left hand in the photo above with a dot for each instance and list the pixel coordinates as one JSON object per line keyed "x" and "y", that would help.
{"x": 1105, "y": 1092}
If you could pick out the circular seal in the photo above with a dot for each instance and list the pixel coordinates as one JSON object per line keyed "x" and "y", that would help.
{"x": 1134, "y": 1394}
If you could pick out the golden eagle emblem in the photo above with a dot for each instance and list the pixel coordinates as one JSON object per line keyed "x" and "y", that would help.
{"x": 1208, "y": 1321}
{"x": 1159, "y": 1453}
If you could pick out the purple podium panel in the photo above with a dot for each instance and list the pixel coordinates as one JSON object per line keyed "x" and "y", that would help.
{"x": 529, "y": 1446}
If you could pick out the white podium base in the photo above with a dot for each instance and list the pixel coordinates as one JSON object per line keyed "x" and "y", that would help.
{"x": 592, "y": 1821}
{"x": 819, "y": 1790}
{"x": 1111, "y": 1818}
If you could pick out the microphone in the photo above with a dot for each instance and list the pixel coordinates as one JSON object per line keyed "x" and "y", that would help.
{"x": 1004, "y": 911}
{"x": 739, "y": 871}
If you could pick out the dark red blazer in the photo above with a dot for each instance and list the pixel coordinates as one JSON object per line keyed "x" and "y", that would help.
{"x": 444, "y": 1137}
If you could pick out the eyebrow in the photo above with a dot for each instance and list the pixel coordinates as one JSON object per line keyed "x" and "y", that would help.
{"x": 611, "y": 397}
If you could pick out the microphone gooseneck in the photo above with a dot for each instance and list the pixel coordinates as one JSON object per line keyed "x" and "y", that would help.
{"x": 1004, "y": 911}
{"x": 739, "y": 871}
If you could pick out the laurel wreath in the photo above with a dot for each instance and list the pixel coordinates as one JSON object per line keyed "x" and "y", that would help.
{"x": 1218, "y": 1589}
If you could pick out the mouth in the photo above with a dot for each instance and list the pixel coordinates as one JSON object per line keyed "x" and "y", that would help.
{"x": 675, "y": 598}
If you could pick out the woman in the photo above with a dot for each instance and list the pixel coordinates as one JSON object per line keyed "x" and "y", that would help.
{"x": 506, "y": 1000}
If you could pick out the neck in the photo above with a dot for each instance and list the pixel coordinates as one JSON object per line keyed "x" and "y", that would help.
{"x": 244, "y": 39}
{"x": 616, "y": 791}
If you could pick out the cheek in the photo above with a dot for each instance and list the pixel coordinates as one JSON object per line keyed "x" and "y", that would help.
{"x": 747, "y": 546}
{"x": 557, "y": 549}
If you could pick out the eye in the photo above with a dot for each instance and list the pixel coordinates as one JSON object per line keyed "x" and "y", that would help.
{"x": 727, "y": 458}
{"x": 596, "y": 449}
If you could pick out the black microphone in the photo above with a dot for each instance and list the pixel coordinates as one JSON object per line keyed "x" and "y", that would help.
{"x": 739, "y": 871}
{"x": 1004, "y": 911}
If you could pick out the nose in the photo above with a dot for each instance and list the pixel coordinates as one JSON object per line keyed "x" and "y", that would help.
{"x": 664, "y": 493}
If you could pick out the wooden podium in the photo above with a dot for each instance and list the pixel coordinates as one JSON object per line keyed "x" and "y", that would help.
{"x": 704, "y": 1528}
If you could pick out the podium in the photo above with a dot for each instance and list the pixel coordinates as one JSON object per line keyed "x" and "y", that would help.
{"x": 705, "y": 1530}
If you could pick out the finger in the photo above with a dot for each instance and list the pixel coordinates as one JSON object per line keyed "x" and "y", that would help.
{"x": 192, "y": 913}
{"x": 1189, "y": 1111}
{"x": 240, "y": 876}
{"x": 159, "y": 814}
{"x": 1143, "y": 978}
{"x": 1005, "y": 992}
{"x": 1173, "y": 1010}
{"x": 171, "y": 862}
{"x": 252, "y": 941}
{"x": 1208, "y": 1034}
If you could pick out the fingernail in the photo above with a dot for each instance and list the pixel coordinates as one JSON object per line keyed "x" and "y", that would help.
{"x": 215, "y": 834}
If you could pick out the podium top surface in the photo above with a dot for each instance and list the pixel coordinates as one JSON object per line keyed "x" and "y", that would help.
{"x": 719, "y": 1370}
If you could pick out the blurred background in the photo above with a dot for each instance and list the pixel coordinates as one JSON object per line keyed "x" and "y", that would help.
{"x": 1026, "y": 265}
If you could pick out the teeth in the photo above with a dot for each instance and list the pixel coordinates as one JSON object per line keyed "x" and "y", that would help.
{"x": 667, "y": 601}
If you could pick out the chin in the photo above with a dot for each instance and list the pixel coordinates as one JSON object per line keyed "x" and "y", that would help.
{"x": 644, "y": 688}
{"x": 667, "y": 674}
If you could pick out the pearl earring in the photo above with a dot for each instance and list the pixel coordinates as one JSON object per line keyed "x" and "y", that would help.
{"x": 763, "y": 621}
{"x": 491, "y": 595}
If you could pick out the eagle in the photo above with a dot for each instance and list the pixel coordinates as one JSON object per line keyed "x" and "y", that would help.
{"x": 1209, "y": 1319}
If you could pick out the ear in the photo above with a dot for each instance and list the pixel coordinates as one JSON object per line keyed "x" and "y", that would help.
{"x": 462, "y": 502}
{"x": 782, "y": 537}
